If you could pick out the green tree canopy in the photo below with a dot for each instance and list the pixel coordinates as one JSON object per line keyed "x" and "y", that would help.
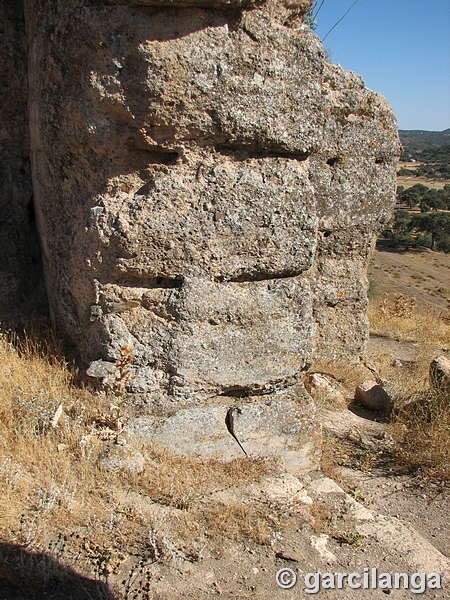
{"x": 437, "y": 224}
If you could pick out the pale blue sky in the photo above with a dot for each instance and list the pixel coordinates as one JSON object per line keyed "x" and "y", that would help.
{"x": 401, "y": 48}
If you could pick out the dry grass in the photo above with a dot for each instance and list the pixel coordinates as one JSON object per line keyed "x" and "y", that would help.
{"x": 423, "y": 431}
{"x": 51, "y": 434}
{"x": 422, "y": 424}
{"x": 239, "y": 522}
{"x": 408, "y": 181}
{"x": 53, "y": 430}
{"x": 396, "y": 317}
{"x": 421, "y": 420}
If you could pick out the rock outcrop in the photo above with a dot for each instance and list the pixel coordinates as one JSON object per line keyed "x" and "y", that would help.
{"x": 440, "y": 373}
{"x": 207, "y": 187}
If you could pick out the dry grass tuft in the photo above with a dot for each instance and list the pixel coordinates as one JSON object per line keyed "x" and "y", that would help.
{"x": 239, "y": 522}
{"x": 51, "y": 435}
{"x": 397, "y": 317}
{"x": 423, "y": 430}
{"x": 180, "y": 481}
{"x": 422, "y": 425}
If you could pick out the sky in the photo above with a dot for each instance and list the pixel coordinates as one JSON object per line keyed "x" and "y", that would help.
{"x": 401, "y": 48}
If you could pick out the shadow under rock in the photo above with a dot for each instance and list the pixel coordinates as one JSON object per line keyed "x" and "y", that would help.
{"x": 365, "y": 413}
{"x": 26, "y": 575}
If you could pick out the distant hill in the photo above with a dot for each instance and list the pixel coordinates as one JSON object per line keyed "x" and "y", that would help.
{"x": 416, "y": 141}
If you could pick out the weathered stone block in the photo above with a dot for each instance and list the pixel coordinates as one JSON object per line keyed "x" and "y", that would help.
{"x": 207, "y": 187}
{"x": 281, "y": 426}
{"x": 440, "y": 373}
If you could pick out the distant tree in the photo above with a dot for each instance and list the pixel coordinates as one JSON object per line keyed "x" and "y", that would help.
{"x": 410, "y": 197}
{"x": 444, "y": 195}
{"x": 437, "y": 224}
{"x": 433, "y": 201}
{"x": 406, "y": 172}
{"x": 420, "y": 188}
{"x": 401, "y": 225}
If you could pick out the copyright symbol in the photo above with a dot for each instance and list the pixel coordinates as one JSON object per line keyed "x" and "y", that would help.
{"x": 286, "y": 578}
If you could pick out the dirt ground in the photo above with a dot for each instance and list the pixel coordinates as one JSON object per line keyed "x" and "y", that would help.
{"x": 408, "y": 181}
{"x": 421, "y": 273}
{"x": 377, "y": 516}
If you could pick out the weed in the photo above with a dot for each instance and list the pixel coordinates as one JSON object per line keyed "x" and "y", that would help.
{"x": 349, "y": 538}
{"x": 357, "y": 494}
{"x": 324, "y": 518}
{"x": 119, "y": 382}
{"x": 422, "y": 425}
{"x": 367, "y": 458}
{"x": 373, "y": 290}
{"x": 239, "y": 522}
{"x": 423, "y": 430}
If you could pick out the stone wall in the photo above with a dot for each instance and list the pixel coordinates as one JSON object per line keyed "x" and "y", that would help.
{"x": 207, "y": 187}
{"x": 21, "y": 285}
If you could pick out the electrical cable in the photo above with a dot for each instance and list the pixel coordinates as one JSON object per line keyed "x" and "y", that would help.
{"x": 318, "y": 10}
{"x": 336, "y": 24}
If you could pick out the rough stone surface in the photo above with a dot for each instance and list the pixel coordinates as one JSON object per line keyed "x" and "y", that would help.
{"x": 440, "y": 373}
{"x": 207, "y": 187}
{"x": 21, "y": 279}
{"x": 281, "y": 425}
{"x": 373, "y": 397}
{"x": 123, "y": 459}
{"x": 324, "y": 391}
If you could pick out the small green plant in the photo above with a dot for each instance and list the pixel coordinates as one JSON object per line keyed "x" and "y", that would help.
{"x": 372, "y": 291}
{"x": 349, "y": 538}
{"x": 310, "y": 19}
{"x": 357, "y": 494}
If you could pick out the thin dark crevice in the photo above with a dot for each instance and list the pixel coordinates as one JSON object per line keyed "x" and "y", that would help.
{"x": 333, "y": 161}
{"x": 146, "y": 282}
{"x": 31, "y": 212}
{"x": 250, "y": 34}
{"x": 237, "y": 391}
{"x": 240, "y": 154}
{"x": 249, "y": 277}
{"x": 155, "y": 157}
{"x": 382, "y": 160}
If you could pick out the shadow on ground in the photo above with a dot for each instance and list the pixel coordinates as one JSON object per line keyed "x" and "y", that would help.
{"x": 387, "y": 245}
{"x": 26, "y": 575}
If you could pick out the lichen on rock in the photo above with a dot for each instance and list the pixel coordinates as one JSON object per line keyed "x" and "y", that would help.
{"x": 208, "y": 189}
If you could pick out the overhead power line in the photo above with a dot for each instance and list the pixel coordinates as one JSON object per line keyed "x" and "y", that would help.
{"x": 318, "y": 10}
{"x": 341, "y": 19}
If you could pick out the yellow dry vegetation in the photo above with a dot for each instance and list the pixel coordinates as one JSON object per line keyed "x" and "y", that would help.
{"x": 51, "y": 433}
{"x": 422, "y": 421}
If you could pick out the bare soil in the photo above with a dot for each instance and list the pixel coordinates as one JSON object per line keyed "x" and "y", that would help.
{"x": 410, "y": 180}
{"x": 313, "y": 528}
{"x": 421, "y": 273}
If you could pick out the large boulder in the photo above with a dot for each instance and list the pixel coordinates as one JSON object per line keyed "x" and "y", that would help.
{"x": 208, "y": 189}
